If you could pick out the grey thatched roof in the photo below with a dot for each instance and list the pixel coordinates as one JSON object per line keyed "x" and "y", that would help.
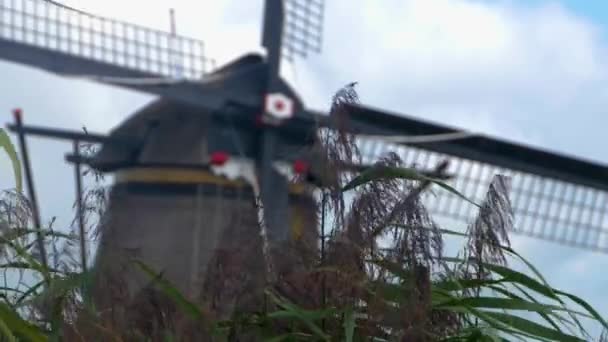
{"x": 163, "y": 132}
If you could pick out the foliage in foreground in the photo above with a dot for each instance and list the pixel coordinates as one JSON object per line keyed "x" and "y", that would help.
{"x": 391, "y": 300}
{"x": 382, "y": 277}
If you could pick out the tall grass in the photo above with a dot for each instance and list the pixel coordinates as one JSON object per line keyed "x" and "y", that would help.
{"x": 382, "y": 276}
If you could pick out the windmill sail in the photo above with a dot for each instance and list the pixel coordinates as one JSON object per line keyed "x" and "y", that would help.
{"x": 73, "y": 43}
{"x": 555, "y": 198}
{"x": 303, "y": 31}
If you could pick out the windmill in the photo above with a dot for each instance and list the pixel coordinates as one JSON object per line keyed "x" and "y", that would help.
{"x": 251, "y": 113}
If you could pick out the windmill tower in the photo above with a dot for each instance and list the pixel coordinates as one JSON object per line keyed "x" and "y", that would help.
{"x": 187, "y": 190}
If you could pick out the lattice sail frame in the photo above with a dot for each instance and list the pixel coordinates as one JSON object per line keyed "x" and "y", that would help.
{"x": 544, "y": 208}
{"x": 303, "y": 32}
{"x": 48, "y": 26}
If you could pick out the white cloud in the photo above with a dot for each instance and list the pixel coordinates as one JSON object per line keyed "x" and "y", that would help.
{"x": 507, "y": 70}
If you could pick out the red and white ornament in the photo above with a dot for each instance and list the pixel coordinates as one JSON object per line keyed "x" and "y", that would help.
{"x": 278, "y": 106}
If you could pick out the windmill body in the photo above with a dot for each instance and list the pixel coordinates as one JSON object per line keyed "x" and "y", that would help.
{"x": 173, "y": 208}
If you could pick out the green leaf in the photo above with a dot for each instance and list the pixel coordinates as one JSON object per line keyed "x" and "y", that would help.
{"x": 349, "y": 324}
{"x": 387, "y": 172}
{"x": 294, "y": 314}
{"x": 290, "y": 337}
{"x": 510, "y": 294}
{"x": 11, "y": 289}
{"x": 540, "y": 276}
{"x": 452, "y": 232}
{"x": 18, "y": 326}
{"x": 6, "y": 332}
{"x": 61, "y": 286}
{"x": 33, "y": 264}
{"x": 521, "y": 278}
{"x": 501, "y": 303}
{"x": 455, "y": 284}
{"x": 441, "y": 230}
{"x": 169, "y": 337}
{"x": 172, "y": 292}
{"x": 7, "y": 145}
{"x": 16, "y": 264}
{"x": 475, "y": 334}
{"x": 390, "y": 292}
{"x": 29, "y": 292}
{"x": 496, "y": 324}
{"x": 384, "y": 172}
{"x": 532, "y": 328}
{"x": 21, "y": 232}
{"x": 284, "y": 337}
{"x": 585, "y": 305}
{"x": 454, "y": 191}
{"x": 305, "y": 316}
{"x": 516, "y": 277}
{"x": 393, "y": 267}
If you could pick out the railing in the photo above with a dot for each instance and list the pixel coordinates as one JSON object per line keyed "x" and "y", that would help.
{"x": 544, "y": 207}
{"x": 54, "y": 27}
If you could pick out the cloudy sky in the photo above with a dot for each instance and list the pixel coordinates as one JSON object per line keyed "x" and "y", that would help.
{"x": 530, "y": 71}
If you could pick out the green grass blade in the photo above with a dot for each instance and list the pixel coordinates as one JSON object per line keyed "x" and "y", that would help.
{"x": 21, "y": 232}
{"x": 18, "y": 326}
{"x": 280, "y": 338}
{"x": 294, "y": 314}
{"x": 32, "y": 290}
{"x": 383, "y": 173}
{"x": 463, "y": 284}
{"x": 532, "y": 328}
{"x": 21, "y": 252}
{"x": 11, "y": 289}
{"x": 533, "y": 284}
{"x": 475, "y": 334}
{"x": 387, "y": 172}
{"x": 585, "y": 305}
{"x": 172, "y": 292}
{"x": 517, "y": 277}
{"x": 307, "y": 317}
{"x": 7, "y": 145}
{"x": 497, "y": 324}
{"x": 16, "y": 264}
{"x": 390, "y": 292}
{"x": 510, "y": 294}
{"x": 504, "y": 304}
{"x": 454, "y": 191}
{"x": 6, "y": 332}
{"x": 441, "y": 230}
{"x": 540, "y": 276}
{"x": 395, "y": 268}
{"x": 349, "y": 325}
